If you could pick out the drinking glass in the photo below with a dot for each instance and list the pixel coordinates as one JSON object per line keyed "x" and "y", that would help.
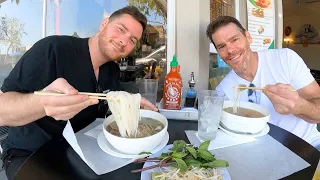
{"x": 210, "y": 105}
{"x": 148, "y": 89}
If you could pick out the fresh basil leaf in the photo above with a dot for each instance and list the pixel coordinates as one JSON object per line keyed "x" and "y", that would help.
{"x": 206, "y": 155}
{"x": 178, "y": 145}
{"x": 145, "y": 153}
{"x": 164, "y": 155}
{"x": 192, "y": 162}
{"x": 178, "y": 155}
{"x": 192, "y": 151}
{"x": 204, "y": 145}
{"x": 216, "y": 164}
{"x": 181, "y": 165}
{"x": 175, "y": 165}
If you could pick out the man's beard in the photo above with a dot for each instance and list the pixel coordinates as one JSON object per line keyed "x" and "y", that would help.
{"x": 244, "y": 67}
{"x": 103, "y": 50}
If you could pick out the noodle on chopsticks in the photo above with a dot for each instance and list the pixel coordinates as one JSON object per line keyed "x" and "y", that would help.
{"x": 126, "y": 111}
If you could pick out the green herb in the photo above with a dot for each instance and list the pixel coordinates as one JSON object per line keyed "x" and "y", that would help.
{"x": 164, "y": 155}
{"x": 204, "y": 145}
{"x": 178, "y": 146}
{"x": 193, "y": 162}
{"x": 145, "y": 153}
{"x": 184, "y": 157}
{"x": 192, "y": 151}
{"x": 216, "y": 164}
{"x": 178, "y": 154}
{"x": 206, "y": 155}
{"x": 181, "y": 164}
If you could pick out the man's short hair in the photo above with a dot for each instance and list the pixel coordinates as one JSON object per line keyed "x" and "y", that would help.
{"x": 132, "y": 11}
{"x": 220, "y": 22}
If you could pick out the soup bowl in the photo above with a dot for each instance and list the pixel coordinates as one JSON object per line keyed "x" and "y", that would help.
{"x": 137, "y": 145}
{"x": 245, "y": 124}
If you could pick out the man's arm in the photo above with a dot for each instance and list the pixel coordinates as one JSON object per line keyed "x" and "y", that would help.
{"x": 19, "y": 109}
{"x": 308, "y": 106}
{"x": 305, "y": 103}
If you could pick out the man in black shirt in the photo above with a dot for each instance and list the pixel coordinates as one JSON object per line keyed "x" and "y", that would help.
{"x": 66, "y": 64}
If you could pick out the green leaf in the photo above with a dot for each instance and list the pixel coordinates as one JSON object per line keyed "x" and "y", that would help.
{"x": 216, "y": 164}
{"x": 144, "y": 153}
{"x": 181, "y": 165}
{"x": 204, "y": 145}
{"x": 206, "y": 155}
{"x": 175, "y": 165}
{"x": 164, "y": 155}
{"x": 192, "y": 151}
{"x": 178, "y": 155}
{"x": 178, "y": 145}
{"x": 192, "y": 162}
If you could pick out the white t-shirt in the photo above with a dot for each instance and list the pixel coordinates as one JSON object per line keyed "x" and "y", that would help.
{"x": 277, "y": 66}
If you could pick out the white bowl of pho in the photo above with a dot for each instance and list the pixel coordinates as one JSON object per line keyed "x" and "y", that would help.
{"x": 250, "y": 117}
{"x": 130, "y": 129}
{"x": 151, "y": 131}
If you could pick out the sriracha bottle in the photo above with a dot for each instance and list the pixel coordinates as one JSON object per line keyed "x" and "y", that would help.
{"x": 172, "y": 87}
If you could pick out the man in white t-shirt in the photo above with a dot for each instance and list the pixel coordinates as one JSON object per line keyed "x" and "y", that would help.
{"x": 281, "y": 71}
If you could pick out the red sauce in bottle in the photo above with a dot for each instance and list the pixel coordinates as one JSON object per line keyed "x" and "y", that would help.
{"x": 172, "y": 87}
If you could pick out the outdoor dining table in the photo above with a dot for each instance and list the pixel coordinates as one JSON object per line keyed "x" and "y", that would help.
{"x": 57, "y": 160}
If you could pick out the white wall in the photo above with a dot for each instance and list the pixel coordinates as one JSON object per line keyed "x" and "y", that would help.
{"x": 192, "y": 45}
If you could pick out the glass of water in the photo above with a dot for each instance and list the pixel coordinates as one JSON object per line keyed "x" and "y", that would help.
{"x": 210, "y": 105}
{"x": 148, "y": 88}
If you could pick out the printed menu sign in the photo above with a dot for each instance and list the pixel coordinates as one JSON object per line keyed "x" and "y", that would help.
{"x": 261, "y": 23}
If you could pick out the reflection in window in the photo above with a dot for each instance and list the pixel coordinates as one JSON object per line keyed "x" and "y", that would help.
{"x": 218, "y": 69}
{"x": 150, "y": 53}
{"x": 221, "y": 8}
{"x": 20, "y": 28}
{"x": 74, "y": 17}
{"x": 83, "y": 18}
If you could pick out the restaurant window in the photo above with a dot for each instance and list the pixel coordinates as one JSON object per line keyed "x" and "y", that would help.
{"x": 20, "y": 28}
{"x": 221, "y": 8}
{"x": 24, "y": 22}
{"x": 218, "y": 69}
{"x": 83, "y": 18}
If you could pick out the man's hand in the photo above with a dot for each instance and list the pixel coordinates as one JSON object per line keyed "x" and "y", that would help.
{"x": 284, "y": 98}
{"x": 145, "y": 104}
{"x": 64, "y": 107}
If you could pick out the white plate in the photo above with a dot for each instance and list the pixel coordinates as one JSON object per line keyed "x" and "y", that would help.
{"x": 265, "y": 131}
{"x": 146, "y": 175}
{"x": 109, "y": 149}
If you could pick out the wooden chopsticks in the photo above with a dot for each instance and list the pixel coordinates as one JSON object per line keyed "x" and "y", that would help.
{"x": 247, "y": 87}
{"x": 254, "y": 88}
{"x": 91, "y": 95}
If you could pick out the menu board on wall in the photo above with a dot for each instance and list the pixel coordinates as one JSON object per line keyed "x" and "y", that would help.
{"x": 261, "y": 24}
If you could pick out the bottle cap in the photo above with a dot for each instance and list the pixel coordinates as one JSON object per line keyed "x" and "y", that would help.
{"x": 174, "y": 62}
